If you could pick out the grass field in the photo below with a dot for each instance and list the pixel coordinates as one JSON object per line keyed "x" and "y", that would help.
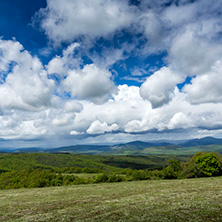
{"x": 157, "y": 200}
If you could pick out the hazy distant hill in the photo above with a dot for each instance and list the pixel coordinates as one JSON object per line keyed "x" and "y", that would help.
{"x": 139, "y": 145}
{"x": 89, "y": 149}
{"x": 136, "y": 148}
{"x": 207, "y": 144}
{"x": 203, "y": 141}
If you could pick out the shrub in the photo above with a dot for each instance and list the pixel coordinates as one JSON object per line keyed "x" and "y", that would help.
{"x": 169, "y": 173}
{"x": 100, "y": 178}
{"x": 173, "y": 170}
{"x": 139, "y": 175}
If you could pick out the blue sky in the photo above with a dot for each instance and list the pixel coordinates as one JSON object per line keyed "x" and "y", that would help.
{"x": 109, "y": 71}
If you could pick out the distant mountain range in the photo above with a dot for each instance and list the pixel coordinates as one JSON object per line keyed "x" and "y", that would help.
{"x": 203, "y": 141}
{"x": 135, "y": 148}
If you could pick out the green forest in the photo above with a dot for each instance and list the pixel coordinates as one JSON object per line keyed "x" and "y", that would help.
{"x": 29, "y": 170}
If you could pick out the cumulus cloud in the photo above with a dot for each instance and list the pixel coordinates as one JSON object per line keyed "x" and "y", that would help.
{"x": 159, "y": 87}
{"x": 136, "y": 126}
{"x": 154, "y": 29}
{"x": 126, "y": 105}
{"x": 73, "y": 106}
{"x": 192, "y": 43}
{"x": 193, "y": 54}
{"x": 126, "y": 112}
{"x": 65, "y": 21}
{"x": 180, "y": 15}
{"x": 62, "y": 119}
{"x": 206, "y": 88}
{"x": 75, "y": 133}
{"x": 24, "y": 84}
{"x": 62, "y": 64}
{"x": 179, "y": 120}
{"x": 89, "y": 83}
{"x": 98, "y": 128}
{"x": 188, "y": 31}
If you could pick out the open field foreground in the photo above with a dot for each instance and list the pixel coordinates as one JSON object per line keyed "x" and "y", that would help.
{"x": 158, "y": 200}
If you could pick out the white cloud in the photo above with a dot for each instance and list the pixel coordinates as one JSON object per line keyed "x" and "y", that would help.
{"x": 89, "y": 83}
{"x": 127, "y": 112}
{"x": 136, "y": 126}
{"x": 154, "y": 29}
{"x": 159, "y": 87}
{"x": 67, "y": 20}
{"x": 56, "y": 65}
{"x": 188, "y": 31}
{"x": 193, "y": 54}
{"x": 125, "y": 106}
{"x": 180, "y": 120}
{"x": 180, "y": 15}
{"x": 99, "y": 128}
{"x": 63, "y": 119}
{"x": 62, "y": 64}
{"x": 75, "y": 133}
{"x": 26, "y": 85}
{"x": 6, "y": 55}
{"x": 73, "y": 106}
{"x": 206, "y": 88}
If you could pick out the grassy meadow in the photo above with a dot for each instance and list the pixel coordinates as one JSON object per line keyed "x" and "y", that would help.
{"x": 156, "y": 200}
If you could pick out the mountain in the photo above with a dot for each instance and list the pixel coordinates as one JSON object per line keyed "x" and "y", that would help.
{"x": 25, "y": 150}
{"x": 138, "y": 145}
{"x": 203, "y": 142}
{"x": 135, "y": 148}
{"x": 89, "y": 149}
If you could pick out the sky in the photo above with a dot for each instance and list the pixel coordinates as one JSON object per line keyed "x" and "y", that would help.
{"x": 109, "y": 71}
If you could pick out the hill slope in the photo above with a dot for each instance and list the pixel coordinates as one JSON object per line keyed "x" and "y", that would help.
{"x": 193, "y": 200}
{"x": 21, "y": 161}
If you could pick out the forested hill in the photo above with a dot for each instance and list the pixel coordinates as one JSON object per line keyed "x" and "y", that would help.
{"x": 20, "y": 161}
{"x": 28, "y": 170}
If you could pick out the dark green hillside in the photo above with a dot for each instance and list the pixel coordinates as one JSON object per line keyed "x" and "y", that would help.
{"x": 28, "y": 170}
{"x": 141, "y": 162}
{"x": 20, "y": 161}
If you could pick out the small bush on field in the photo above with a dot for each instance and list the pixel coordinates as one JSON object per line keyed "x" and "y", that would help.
{"x": 173, "y": 170}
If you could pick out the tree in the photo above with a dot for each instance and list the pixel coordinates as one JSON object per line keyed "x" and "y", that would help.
{"x": 208, "y": 165}
{"x": 204, "y": 165}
